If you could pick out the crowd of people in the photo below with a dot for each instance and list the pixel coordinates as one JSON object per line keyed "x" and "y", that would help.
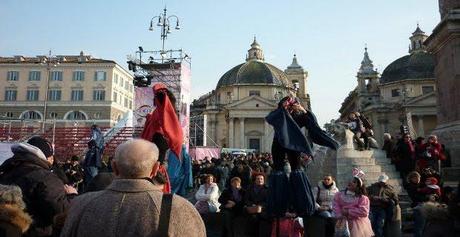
{"x": 237, "y": 187}
{"x": 141, "y": 190}
{"x": 38, "y": 198}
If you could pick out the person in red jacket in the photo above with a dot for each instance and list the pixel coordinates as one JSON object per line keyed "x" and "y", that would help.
{"x": 433, "y": 153}
{"x": 431, "y": 187}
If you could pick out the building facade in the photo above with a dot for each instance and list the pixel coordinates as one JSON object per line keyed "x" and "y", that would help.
{"x": 403, "y": 94}
{"x": 235, "y": 111}
{"x": 67, "y": 89}
{"x": 444, "y": 44}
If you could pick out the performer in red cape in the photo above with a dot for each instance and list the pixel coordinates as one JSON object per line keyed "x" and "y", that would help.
{"x": 163, "y": 128}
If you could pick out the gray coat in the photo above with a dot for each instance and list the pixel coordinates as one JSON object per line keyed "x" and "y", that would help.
{"x": 129, "y": 207}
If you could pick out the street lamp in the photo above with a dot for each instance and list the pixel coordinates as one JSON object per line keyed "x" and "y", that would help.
{"x": 165, "y": 24}
{"x": 49, "y": 62}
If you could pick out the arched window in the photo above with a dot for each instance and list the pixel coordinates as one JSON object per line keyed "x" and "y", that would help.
{"x": 76, "y": 115}
{"x": 31, "y": 115}
{"x": 53, "y": 115}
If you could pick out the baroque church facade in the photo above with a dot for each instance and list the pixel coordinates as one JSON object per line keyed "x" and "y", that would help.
{"x": 233, "y": 115}
{"x": 403, "y": 94}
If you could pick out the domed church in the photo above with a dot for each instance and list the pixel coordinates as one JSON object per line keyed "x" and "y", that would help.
{"x": 232, "y": 115}
{"x": 403, "y": 94}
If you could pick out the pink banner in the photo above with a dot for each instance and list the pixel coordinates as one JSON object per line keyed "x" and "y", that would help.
{"x": 200, "y": 153}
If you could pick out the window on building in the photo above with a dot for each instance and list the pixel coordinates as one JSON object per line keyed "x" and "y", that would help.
{"x": 31, "y": 115}
{"x": 100, "y": 76}
{"x": 427, "y": 89}
{"x": 34, "y": 75}
{"x": 126, "y": 85}
{"x": 115, "y": 78}
{"x": 229, "y": 96}
{"x": 395, "y": 93}
{"x": 11, "y": 95}
{"x": 76, "y": 115}
{"x": 54, "y": 95}
{"x": 78, "y": 76}
{"x": 53, "y": 115}
{"x": 130, "y": 104}
{"x": 121, "y": 81}
{"x": 9, "y": 114}
{"x": 254, "y": 93}
{"x": 99, "y": 95}
{"x": 12, "y": 76}
{"x": 76, "y": 95}
{"x": 126, "y": 102}
{"x": 56, "y": 76}
{"x": 32, "y": 95}
{"x": 115, "y": 96}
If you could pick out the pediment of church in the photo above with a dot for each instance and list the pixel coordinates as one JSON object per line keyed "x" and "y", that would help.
{"x": 253, "y": 102}
{"x": 428, "y": 99}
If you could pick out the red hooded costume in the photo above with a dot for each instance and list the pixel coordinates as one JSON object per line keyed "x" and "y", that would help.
{"x": 163, "y": 120}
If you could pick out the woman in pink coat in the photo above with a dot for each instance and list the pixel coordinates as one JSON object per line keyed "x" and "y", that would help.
{"x": 353, "y": 205}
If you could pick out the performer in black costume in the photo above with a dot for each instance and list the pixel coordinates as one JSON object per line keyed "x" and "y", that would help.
{"x": 293, "y": 194}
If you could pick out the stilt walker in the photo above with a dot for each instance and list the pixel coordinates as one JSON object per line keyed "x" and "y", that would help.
{"x": 293, "y": 195}
{"x": 162, "y": 127}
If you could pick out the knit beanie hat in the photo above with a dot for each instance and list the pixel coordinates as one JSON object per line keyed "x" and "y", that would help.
{"x": 42, "y": 144}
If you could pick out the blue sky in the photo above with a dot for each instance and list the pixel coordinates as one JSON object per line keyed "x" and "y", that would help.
{"x": 327, "y": 36}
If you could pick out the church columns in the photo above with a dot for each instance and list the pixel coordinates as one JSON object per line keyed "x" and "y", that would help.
{"x": 421, "y": 129}
{"x": 242, "y": 140}
{"x": 230, "y": 133}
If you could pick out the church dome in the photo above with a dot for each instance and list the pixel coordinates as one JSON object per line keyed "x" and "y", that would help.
{"x": 418, "y": 65}
{"x": 253, "y": 72}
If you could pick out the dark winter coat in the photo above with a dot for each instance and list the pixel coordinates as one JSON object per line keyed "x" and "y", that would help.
{"x": 228, "y": 195}
{"x": 405, "y": 156}
{"x": 414, "y": 194}
{"x": 93, "y": 157}
{"x": 43, "y": 191}
{"x": 288, "y": 133}
{"x": 388, "y": 146}
{"x": 259, "y": 197}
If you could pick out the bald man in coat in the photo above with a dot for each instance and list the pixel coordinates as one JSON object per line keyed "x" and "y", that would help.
{"x": 131, "y": 205}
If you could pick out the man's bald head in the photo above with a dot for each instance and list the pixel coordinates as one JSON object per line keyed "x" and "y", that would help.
{"x": 135, "y": 158}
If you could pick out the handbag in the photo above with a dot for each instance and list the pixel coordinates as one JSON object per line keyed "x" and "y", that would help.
{"x": 341, "y": 228}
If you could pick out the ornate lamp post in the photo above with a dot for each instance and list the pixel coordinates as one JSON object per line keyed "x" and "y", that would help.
{"x": 48, "y": 62}
{"x": 164, "y": 22}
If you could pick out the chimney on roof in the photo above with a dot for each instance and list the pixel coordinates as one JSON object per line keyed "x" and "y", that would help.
{"x": 81, "y": 58}
{"x": 42, "y": 58}
{"x": 19, "y": 58}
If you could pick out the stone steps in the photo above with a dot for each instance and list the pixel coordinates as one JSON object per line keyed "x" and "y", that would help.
{"x": 373, "y": 163}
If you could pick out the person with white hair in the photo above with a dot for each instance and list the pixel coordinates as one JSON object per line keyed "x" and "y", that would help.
{"x": 384, "y": 205}
{"x": 388, "y": 144}
{"x": 133, "y": 204}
